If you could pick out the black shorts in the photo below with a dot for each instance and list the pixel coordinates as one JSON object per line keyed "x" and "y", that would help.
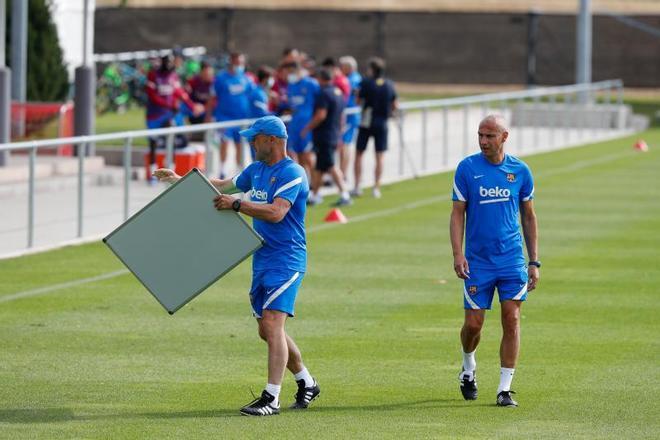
{"x": 379, "y": 133}
{"x": 325, "y": 155}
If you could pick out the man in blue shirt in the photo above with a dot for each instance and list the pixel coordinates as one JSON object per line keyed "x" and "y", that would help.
{"x": 491, "y": 190}
{"x": 300, "y": 93}
{"x": 278, "y": 190}
{"x": 232, "y": 89}
{"x": 349, "y": 67}
{"x": 326, "y": 131}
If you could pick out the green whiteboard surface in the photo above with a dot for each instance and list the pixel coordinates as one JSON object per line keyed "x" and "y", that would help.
{"x": 179, "y": 244}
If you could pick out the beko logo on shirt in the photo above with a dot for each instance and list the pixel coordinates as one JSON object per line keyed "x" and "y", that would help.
{"x": 494, "y": 192}
{"x": 258, "y": 194}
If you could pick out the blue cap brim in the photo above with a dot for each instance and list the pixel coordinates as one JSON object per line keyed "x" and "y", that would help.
{"x": 248, "y": 133}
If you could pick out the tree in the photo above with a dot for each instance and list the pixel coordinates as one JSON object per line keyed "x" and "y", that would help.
{"x": 47, "y": 77}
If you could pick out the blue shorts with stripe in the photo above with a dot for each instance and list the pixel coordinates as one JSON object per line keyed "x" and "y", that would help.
{"x": 275, "y": 289}
{"x": 351, "y": 129}
{"x": 479, "y": 289}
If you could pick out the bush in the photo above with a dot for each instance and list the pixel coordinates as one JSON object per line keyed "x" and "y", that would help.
{"x": 47, "y": 77}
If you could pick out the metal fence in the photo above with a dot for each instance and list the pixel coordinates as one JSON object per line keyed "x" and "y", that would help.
{"x": 453, "y": 120}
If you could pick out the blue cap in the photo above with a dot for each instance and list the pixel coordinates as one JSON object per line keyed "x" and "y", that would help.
{"x": 268, "y": 125}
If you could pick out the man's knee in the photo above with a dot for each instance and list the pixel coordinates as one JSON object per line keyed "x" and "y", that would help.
{"x": 473, "y": 323}
{"x": 271, "y": 324}
{"x": 262, "y": 332}
{"x": 510, "y": 317}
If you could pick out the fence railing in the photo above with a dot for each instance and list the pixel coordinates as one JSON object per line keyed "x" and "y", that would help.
{"x": 609, "y": 91}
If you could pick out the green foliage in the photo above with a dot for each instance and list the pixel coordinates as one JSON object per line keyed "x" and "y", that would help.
{"x": 377, "y": 320}
{"x": 47, "y": 77}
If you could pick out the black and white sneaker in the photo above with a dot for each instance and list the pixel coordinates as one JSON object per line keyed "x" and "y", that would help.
{"x": 504, "y": 399}
{"x": 468, "y": 385}
{"x": 261, "y": 406}
{"x": 305, "y": 395}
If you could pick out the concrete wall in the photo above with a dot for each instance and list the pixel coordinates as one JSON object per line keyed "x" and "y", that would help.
{"x": 419, "y": 47}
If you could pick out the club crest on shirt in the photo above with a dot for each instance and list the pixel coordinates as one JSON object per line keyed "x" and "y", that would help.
{"x": 511, "y": 177}
{"x": 472, "y": 290}
{"x": 272, "y": 180}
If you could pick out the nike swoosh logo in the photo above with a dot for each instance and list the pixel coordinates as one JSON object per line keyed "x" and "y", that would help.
{"x": 479, "y": 176}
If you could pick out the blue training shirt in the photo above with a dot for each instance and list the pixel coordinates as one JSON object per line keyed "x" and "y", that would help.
{"x": 493, "y": 194}
{"x": 258, "y": 103}
{"x": 301, "y": 96}
{"x": 285, "y": 244}
{"x": 354, "y": 79}
{"x": 233, "y": 94}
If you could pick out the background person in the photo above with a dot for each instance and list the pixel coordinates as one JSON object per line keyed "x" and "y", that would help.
{"x": 301, "y": 92}
{"x": 349, "y": 68}
{"x": 164, "y": 97}
{"x": 378, "y": 99}
{"x": 232, "y": 90}
{"x": 326, "y": 126}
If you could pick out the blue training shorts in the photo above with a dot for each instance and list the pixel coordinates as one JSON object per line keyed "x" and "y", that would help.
{"x": 349, "y": 133}
{"x": 274, "y": 290}
{"x": 479, "y": 289}
{"x": 297, "y": 143}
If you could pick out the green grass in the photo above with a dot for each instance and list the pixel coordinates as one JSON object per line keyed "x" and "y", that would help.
{"x": 132, "y": 119}
{"x": 377, "y": 320}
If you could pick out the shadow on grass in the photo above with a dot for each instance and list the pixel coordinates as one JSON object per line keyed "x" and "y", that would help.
{"x": 48, "y": 415}
{"x": 36, "y": 415}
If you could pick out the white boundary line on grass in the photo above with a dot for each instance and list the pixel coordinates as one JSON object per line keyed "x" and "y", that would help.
{"x": 51, "y": 288}
{"x": 357, "y": 219}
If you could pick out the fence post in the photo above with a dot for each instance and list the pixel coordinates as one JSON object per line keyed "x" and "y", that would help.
{"x": 466, "y": 128}
{"x": 445, "y": 136}
{"x": 208, "y": 156}
{"x": 424, "y": 141}
{"x": 537, "y": 121}
{"x": 521, "y": 126}
{"x": 401, "y": 146}
{"x": 127, "y": 176}
{"x": 82, "y": 151}
{"x": 552, "y": 112}
{"x": 33, "y": 158}
{"x": 169, "y": 151}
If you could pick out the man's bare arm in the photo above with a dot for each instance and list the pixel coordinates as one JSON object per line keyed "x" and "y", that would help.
{"x": 456, "y": 231}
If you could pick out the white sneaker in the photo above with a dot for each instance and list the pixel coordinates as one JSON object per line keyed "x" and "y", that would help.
{"x": 357, "y": 192}
{"x": 376, "y": 193}
{"x": 314, "y": 200}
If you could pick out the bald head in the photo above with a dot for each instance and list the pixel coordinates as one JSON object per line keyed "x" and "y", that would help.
{"x": 496, "y": 122}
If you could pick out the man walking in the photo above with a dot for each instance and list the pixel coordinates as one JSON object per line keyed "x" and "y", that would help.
{"x": 378, "y": 100}
{"x": 326, "y": 131}
{"x": 278, "y": 192}
{"x": 491, "y": 190}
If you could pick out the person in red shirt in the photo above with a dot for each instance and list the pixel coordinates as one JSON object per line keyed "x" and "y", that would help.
{"x": 340, "y": 81}
{"x": 200, "y": 90}
{"x": 164, "y": 97}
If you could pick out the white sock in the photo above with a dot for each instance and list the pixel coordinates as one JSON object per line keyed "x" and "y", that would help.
{"x": 274, "y": 390}
{"x": 506, "y": 376}
{"x": 469, "y": 362}
{"x": 304, "y": 374}
{"x": 222, "y": 168}
{"x": 345, "y": 195}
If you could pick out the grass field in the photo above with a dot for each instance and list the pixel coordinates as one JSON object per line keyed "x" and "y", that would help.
{"x": 377, "y": 320}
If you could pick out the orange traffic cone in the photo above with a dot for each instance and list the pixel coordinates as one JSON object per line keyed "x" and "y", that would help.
{"x": 641, "y": 146}
{"x": 336, "y": 216}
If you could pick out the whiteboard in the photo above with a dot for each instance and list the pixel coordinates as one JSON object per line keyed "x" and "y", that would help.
{"x": 179, "y": 244}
